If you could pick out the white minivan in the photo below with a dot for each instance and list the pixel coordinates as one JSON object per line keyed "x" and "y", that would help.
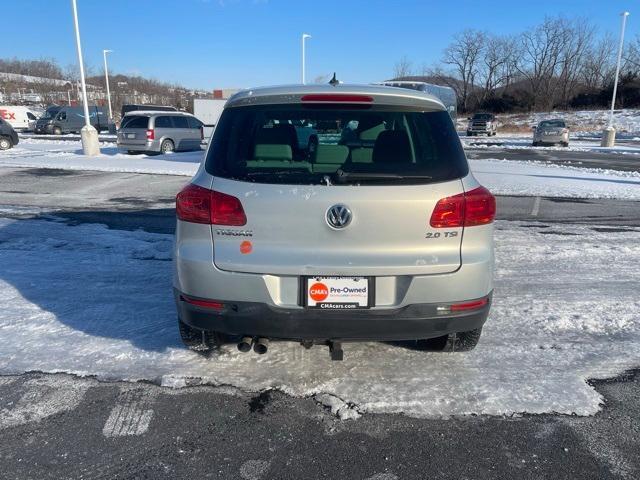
{"x": 19, "y": 117}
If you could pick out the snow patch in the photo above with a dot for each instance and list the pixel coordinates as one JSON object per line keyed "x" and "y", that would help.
{"x": 565, "y": 310}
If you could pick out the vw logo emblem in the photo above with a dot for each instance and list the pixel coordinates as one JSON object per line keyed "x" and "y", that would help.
{"x": 338, "y": 216}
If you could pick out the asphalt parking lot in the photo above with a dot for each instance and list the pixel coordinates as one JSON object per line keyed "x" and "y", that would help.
{"x": 62, "y": 426}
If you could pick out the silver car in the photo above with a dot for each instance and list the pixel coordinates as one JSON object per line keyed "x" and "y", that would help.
{"x": 159, "y": 132}
{"x": 551, "y": 132}
{"x": 375, "y": 231}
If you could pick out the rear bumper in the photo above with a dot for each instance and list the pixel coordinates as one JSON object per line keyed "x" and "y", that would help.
{"x": 149, "y": 146}
{"x": 551, "y": 140}
{"x": 411, "y": 322}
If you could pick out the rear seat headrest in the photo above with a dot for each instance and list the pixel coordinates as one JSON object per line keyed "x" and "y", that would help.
{"x": 392, "y": 146}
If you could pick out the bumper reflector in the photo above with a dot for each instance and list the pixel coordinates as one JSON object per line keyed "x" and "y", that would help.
{"x": 203, "y": 303}
{"x": 460, "y": 307}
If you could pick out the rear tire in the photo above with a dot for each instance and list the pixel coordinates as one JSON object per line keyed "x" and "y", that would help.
{"x": 454, "y": 342}
{"x": 167, "y": 146}
{"x": 200, "y": 340}
{"x": 57, "y": 131}
{"x": 5, "y": 143}
{"x": 565, "y": 144}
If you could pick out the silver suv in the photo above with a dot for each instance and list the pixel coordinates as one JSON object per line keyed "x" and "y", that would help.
{"x": 375, "y": 230}
{"x": 160, "y": 132}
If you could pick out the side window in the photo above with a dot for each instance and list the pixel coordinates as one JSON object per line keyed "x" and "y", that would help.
{"x": 62, "y": 116}
{"x": 163, "y": 122}
{"x": 180, "y": 122}
{"x": 31, "y": 116}
{"x": 194, "y": 122}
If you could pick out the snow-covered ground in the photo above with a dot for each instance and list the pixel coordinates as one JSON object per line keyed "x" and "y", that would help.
{"x": 523, "y": 141}
{"x": 502, "y": 177}
{"x": 581, "y": 122}
{"x": 68, "y": 155}
{"x": 93, "y": 301}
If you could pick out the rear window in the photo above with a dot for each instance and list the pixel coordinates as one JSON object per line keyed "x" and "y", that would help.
{"x": 194, "y": 122}
{"x": 135, "y": 121}
{"x": 328, "y": 144}
{"x": 553, "y": 123}
{"x": 482, "y": 116}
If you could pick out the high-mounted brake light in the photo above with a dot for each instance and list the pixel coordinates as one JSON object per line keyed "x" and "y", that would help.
{"x": 196, "y": 204}
{"x": 151, "y": 134}
{"x": 336, "y": 98}
{"x": 469, "y": 209}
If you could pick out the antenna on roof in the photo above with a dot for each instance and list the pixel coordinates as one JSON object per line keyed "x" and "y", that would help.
{"x": 334, "y": 81}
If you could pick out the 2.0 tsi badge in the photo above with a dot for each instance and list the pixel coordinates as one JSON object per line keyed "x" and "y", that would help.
{"x": 338, "y": 216}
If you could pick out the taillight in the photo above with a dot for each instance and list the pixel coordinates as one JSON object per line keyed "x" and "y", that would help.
{"x": 227, "y": 210}
{"x": 476, "y": 207}
{"x": 479, "y": 208}
{"x": 196, "y": 204}
{"x": 151, "y": 134}
{"x": 448, "y": 213}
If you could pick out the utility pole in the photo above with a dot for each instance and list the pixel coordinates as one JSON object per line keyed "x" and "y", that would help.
{"x": 609, "y": 134}
{"x": 88, "y": 133}
{"x": 304, "y": 37}
{"x": 106, "y": 79}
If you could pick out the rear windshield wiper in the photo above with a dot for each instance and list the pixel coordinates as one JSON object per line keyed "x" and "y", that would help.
{"x": 276, "y": 172}
{"x": 342, "y": 176}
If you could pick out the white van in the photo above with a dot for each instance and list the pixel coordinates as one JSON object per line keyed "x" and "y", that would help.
{"x": 19, "y": 117}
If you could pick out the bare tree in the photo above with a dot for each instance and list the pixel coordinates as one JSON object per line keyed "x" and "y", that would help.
{"x": 464, "y": 56}
{"x": 403, "y": 68}
{"x": 541, "y": 57}
{"x": 574, "y": 53}
{"x": 497, "y": 64}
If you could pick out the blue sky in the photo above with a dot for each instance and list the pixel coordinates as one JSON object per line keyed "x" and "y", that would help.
{"x": 241, "y": 43}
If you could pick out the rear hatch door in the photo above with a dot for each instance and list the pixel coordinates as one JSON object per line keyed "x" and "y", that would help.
{"x": 133, "y": 130}
{"x": 387, "y": 161}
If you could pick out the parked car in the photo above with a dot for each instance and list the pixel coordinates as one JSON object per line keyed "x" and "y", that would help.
{"x": 127, "y": 108}
{"x": 59, "y": 120}
{"x": 8, "y": 136}
{"x": 160, "y": 132}
{"x": 551, "y": 132}
{"x": 21, "y": 118}
{"x": 388, "y": 236}
{"x": 482, "y": 123}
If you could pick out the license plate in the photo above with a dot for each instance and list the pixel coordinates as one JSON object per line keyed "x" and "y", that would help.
{"x": 131, "y": 135}
{"x": 338, "y": 293}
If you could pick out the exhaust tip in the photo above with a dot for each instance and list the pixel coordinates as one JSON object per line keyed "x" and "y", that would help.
{"x": 244, "y": 345}
{"x": 261, "y": 346}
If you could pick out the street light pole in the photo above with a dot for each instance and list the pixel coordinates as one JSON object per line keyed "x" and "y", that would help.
{"x": 88, "y": 133}
{"x": 304, "y": 37}
{"x": 609, "y": 134}
{"x": 106, "y": 79}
